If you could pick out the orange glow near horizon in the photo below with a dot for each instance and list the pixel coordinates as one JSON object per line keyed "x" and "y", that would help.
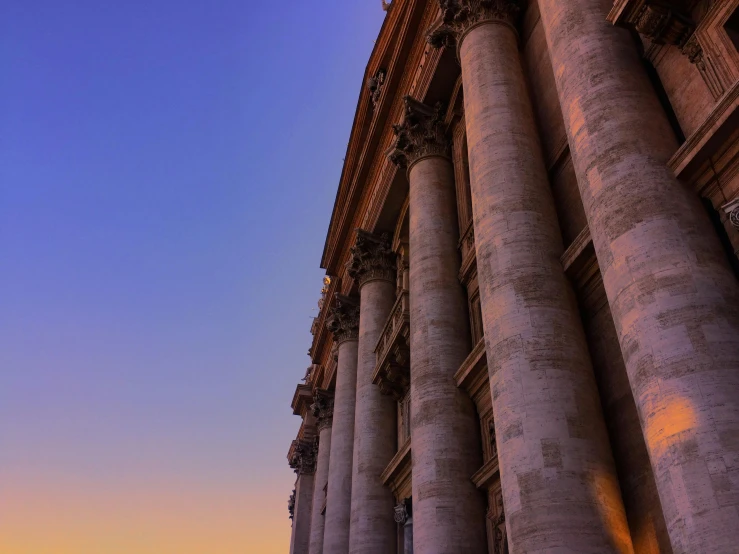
{"x": 190, "y": 518}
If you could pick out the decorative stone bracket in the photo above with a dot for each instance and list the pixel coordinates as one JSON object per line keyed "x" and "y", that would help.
{"x": 661, "y": 21}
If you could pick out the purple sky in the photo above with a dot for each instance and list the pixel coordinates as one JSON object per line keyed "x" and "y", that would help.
{"x": 167, "y": 173}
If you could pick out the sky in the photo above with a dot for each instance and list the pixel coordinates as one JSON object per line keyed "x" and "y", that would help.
{"x": 167, "y": 175}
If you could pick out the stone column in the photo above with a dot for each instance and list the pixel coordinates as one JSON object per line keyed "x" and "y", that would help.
{"x": 323, "y": 410}
{"x": 449, "y": 512}
{"x": 343, "y": 322}
{"x": 674, "y": 301}
{"x": 303, "y": 461}
{"x": 372, "y": 266}
{"x": 557, "y": 469}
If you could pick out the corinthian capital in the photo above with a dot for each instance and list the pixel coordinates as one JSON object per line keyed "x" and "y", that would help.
{"x": 371, "y": 258}
{"x": 323, "y": 408}
{"x": 459, "y": 16}
{"x": 303, "y": 456}
{"x": 343, "y": 319}
{"x": 419, "y": 135}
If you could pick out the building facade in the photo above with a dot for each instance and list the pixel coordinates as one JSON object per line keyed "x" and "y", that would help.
{"x": 528, "y": 338}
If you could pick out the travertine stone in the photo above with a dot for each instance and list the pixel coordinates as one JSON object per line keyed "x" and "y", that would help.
{"x": 302, "y": 514}
{"x": 558, "y": 477}
{"x": 344, "y": 323}
{"x": 447, "y": 509}
{"x": 674, "y": 301}
{"x": 372, "y": 525}
{"x": 323, "y": 408}
{"x": 643, "y": 508}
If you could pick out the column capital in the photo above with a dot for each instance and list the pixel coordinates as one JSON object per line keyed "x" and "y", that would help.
{"x": 343, "y": 319}
{"x": 403, "y": 511}
{"x": 372, "y": 258}
{"x": 323, "y": 408}
{"x": 421, "y": 134}
{"x": 303, "y": 454}
{"x": 459, "y": 16}
{"x": 291, "y": 505}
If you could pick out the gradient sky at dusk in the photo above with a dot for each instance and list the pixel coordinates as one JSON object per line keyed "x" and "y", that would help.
{"x": 167, "y": 173}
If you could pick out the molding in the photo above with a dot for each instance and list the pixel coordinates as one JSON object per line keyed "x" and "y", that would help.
{"x": 487, "y": 475}
{"x": 697, "y": 147}
{"x": 302, "y": 399}
{"x": 397, "y": 475}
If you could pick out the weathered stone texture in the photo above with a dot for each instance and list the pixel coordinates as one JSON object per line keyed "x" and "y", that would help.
{"x": 643, "y": 508}
{"x": 559, "y": 481}
{"x": 448, "y": 512}
{"x": 303, "y": 511}
{"x": 372, "y": 526}
{"x": 319, "y": 495}
{"x": 673, "y": 298}
{"x": 339, "y": 493}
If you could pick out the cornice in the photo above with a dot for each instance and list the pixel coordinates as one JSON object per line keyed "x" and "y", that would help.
{"x": 394, "y": 33}
{"x": 302, "y": 399}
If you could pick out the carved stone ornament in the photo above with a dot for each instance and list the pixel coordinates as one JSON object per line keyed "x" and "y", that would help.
{"x": 662, "y": 24}
{"x": 732, "y": 210}
{"x": 323, "y": 408}
{"x": 403, "y": 511}
{"x": 371, "y": 258}
{"x": 291, "y": 505}
{"x": 375, "y": 85}
{"x": 459, "y": 16}
{"x": 303, "y": 458}
{"x": 343, "y": 319}
{"x": 419, "y": 135}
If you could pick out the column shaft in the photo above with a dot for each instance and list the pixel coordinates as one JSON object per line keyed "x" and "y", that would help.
{"x": 302, "y": 514}
{"x": 339, "y": 493}
{"x": 674, "y": 301}
{"x": 321, "y": 478}
{"x": 373, "y": 528}
{"x": 448, "y": 511}
{"x": 559, "y": 480}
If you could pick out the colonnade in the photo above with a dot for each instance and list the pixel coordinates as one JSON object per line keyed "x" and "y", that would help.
{"x": 674, "y": 300}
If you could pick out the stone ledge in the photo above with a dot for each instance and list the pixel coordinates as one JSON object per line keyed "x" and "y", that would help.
{"x": 485, "y": 476}
{"x": 698, "y": 146}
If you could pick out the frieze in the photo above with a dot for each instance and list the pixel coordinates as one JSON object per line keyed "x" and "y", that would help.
{"x": 371, "y": 258}
{"x": 419, "y": 135}
{"x": 459, "y": 16}
{"x": 343, "y": 319}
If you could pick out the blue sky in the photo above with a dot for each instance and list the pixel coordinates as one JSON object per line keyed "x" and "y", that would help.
{"x": 167, "y": 174}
